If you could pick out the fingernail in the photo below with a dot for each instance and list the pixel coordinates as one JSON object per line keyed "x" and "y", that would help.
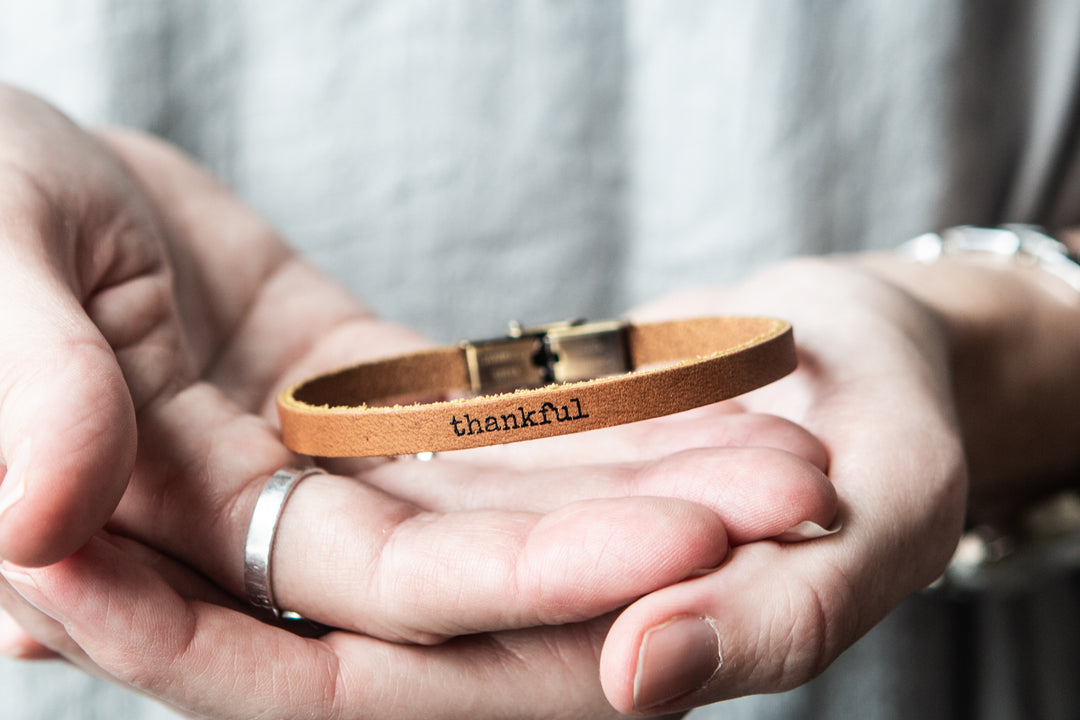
{"x": 676, "y": 658}
{"x": 807, "y": 530}
{"x": 13, "y": 487}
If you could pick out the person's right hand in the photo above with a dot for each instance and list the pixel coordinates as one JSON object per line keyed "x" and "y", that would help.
{"x": 148, "y": 319}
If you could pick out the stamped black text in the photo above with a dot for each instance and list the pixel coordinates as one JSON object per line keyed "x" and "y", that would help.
{"x": 546, "y": 414}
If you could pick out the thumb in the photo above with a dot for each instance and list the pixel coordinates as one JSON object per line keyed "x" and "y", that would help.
{"x": 764, "y": 622}
{"x": 67, "y": 423}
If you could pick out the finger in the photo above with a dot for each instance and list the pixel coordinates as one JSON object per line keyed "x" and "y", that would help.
{"x": 350, "y": 555}
{"x": 86, "y": 297}
{"x": 26, "y": 633}
{"x": 256, "y": 315}
{"x": 774, "y": 618}
{"x": 210, "y": 660}
{"x": 133, "y": 625}
{"x": 222, "y": 253}
{"x": 67, "y": 427}
{"x": 757, "y": 492}
{"x": 776, "y": 615}
{"x": 720, "y": 425}
{"x": 450, "y": 574}
{"x": 16, "y": 643}
{"x": 694, "y": 642}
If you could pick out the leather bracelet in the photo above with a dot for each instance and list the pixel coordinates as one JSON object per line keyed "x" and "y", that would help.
{"x": 537, "y": 382}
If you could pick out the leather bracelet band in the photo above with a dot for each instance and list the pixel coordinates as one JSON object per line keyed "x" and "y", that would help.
{"x": 535, "y": 383}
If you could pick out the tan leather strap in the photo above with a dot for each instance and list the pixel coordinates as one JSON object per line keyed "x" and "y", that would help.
{"x": 677, "y": 366}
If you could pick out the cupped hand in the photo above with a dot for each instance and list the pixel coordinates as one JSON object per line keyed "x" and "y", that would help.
{"x": 874, "y": 386}
{"x": 149, "y": 317}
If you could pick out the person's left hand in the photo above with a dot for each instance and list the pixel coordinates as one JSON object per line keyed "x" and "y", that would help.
{"x": 874, "y": 386}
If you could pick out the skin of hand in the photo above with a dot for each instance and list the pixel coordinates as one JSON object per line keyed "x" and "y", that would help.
{"x": 874, "y": 385}
{"x": 887, "y": 349}
{"x": 921, "y": 380}
{"x": 906, "y": 373}
{"x": 1014, "y": 339}
{"x": 147, "y": 307}
{"x": 904, "y": 370}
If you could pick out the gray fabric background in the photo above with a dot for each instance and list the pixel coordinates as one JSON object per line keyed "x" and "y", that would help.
{"x": 461, "y": 163}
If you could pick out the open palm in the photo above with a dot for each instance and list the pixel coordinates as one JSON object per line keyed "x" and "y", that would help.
{"x": 149, "y": 319}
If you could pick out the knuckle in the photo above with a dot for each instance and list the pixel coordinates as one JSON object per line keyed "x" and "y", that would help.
{"x": 806, "y": 630}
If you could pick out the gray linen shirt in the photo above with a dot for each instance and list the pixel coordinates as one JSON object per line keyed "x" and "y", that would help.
{"x": 460, "y": 163}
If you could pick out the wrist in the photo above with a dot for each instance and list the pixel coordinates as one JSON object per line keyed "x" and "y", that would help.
{"x": 1013, "y": 335}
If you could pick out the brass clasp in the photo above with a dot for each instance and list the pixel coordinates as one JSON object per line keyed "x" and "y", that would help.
{"x": 542, "y": 354}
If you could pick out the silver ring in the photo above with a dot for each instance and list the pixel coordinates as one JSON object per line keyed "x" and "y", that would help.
{"x": 258, "y": 581}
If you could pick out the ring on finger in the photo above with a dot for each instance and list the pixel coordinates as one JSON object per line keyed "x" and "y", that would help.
{"x": 258, "y": 550}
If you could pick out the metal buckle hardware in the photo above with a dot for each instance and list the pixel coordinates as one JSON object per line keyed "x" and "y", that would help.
{"x": 539, "y": 355}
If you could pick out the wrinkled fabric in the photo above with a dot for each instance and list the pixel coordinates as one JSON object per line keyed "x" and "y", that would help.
{"x": 458, "y": 164}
